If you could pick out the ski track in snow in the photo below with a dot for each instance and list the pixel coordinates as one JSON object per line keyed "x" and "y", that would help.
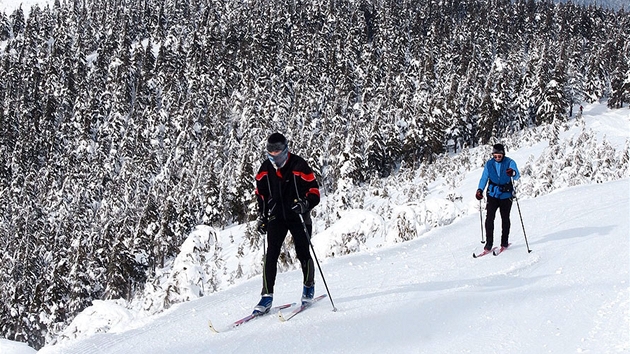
{"x": 613, "y": 311}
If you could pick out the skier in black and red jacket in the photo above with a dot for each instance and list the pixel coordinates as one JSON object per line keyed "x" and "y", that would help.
{"x": 285, "y": 187}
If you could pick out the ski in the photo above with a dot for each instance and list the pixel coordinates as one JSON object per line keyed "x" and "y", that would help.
{"x": 483, "y": 253}
{"x": 497, "y": 252}
{"x": 249, "y": 318}
{"x": 299, "y": 309}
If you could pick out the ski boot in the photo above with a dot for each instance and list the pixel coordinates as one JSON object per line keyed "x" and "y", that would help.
{"x": 264, "y": 305}
{"x": 307, "y": 294}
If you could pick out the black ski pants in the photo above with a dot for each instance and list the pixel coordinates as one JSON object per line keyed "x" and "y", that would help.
{"x": 276, "y": 233}
{"x": 504, "y": 206}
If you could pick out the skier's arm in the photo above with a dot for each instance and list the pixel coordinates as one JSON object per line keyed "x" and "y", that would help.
{"x": 517, "y": 174}
{"x": 308, "y": 185}
{"x": 262, "y": 192}
{"x": 484, "y": 178}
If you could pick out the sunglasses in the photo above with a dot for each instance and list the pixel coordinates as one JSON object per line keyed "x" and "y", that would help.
{"x": 496, "y": 156}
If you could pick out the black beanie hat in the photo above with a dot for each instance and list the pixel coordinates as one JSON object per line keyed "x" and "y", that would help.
{"x": 498, "y": 149}
{"x": 276, "y": 142}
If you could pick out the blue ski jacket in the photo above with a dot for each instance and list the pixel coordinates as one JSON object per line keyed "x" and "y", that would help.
{"x": 494, "y": 175}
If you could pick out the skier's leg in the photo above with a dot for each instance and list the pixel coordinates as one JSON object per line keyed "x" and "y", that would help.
{"x": 276, "y": 232}
{"x": 303, "y": 253}
{"x": 491, "y": 212}
{"x": 505, "y": 208}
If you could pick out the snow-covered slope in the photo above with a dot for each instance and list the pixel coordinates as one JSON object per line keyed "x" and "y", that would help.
{"x": 429, "y": 295}
{"x": 570, "y": 294}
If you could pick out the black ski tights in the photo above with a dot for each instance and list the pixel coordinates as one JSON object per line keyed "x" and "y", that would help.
{"x": 504, "y": 206}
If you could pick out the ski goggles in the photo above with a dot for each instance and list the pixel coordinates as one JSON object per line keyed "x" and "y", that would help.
{"x": 278, "y": 146}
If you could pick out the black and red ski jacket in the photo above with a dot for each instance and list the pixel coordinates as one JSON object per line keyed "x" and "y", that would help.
{"x": 277, "y": 190}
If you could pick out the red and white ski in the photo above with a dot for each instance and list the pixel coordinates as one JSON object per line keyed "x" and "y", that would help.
{"x": 249, "y": 318}
{"x": 497, "y": 252}
{"x": 301, "y": 308}
{"x": 484, "y": 252}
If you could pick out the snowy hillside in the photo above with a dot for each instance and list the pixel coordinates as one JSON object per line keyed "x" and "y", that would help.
{"x": 131, "y": 132}
{"x": 428, "y": 295}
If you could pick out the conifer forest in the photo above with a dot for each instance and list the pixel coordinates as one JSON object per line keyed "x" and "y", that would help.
{"x": 126, "y": 123}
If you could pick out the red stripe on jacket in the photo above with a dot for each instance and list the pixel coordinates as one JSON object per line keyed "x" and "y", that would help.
{"x": 308, "y": 177}
{"x": 261, "y": 175}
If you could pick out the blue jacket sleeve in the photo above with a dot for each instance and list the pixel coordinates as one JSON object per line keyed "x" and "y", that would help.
{"x": 484, "y": 178}
{"x": 517, "y": 174}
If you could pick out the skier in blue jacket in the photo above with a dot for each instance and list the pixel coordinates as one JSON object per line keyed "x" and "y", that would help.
{"x": 498, "y": 174}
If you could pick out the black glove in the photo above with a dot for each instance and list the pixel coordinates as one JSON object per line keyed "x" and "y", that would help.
{"x": 479, "y": 194}
{"x": 261, "y": 225}
{"x": 300, "y": 206}
{"x": 510, "y": 172}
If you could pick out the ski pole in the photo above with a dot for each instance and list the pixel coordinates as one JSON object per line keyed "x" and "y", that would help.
{"x": 521, "y": 216}
{"x": 308, "y": 237}
{"x": 481, "y": 221}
